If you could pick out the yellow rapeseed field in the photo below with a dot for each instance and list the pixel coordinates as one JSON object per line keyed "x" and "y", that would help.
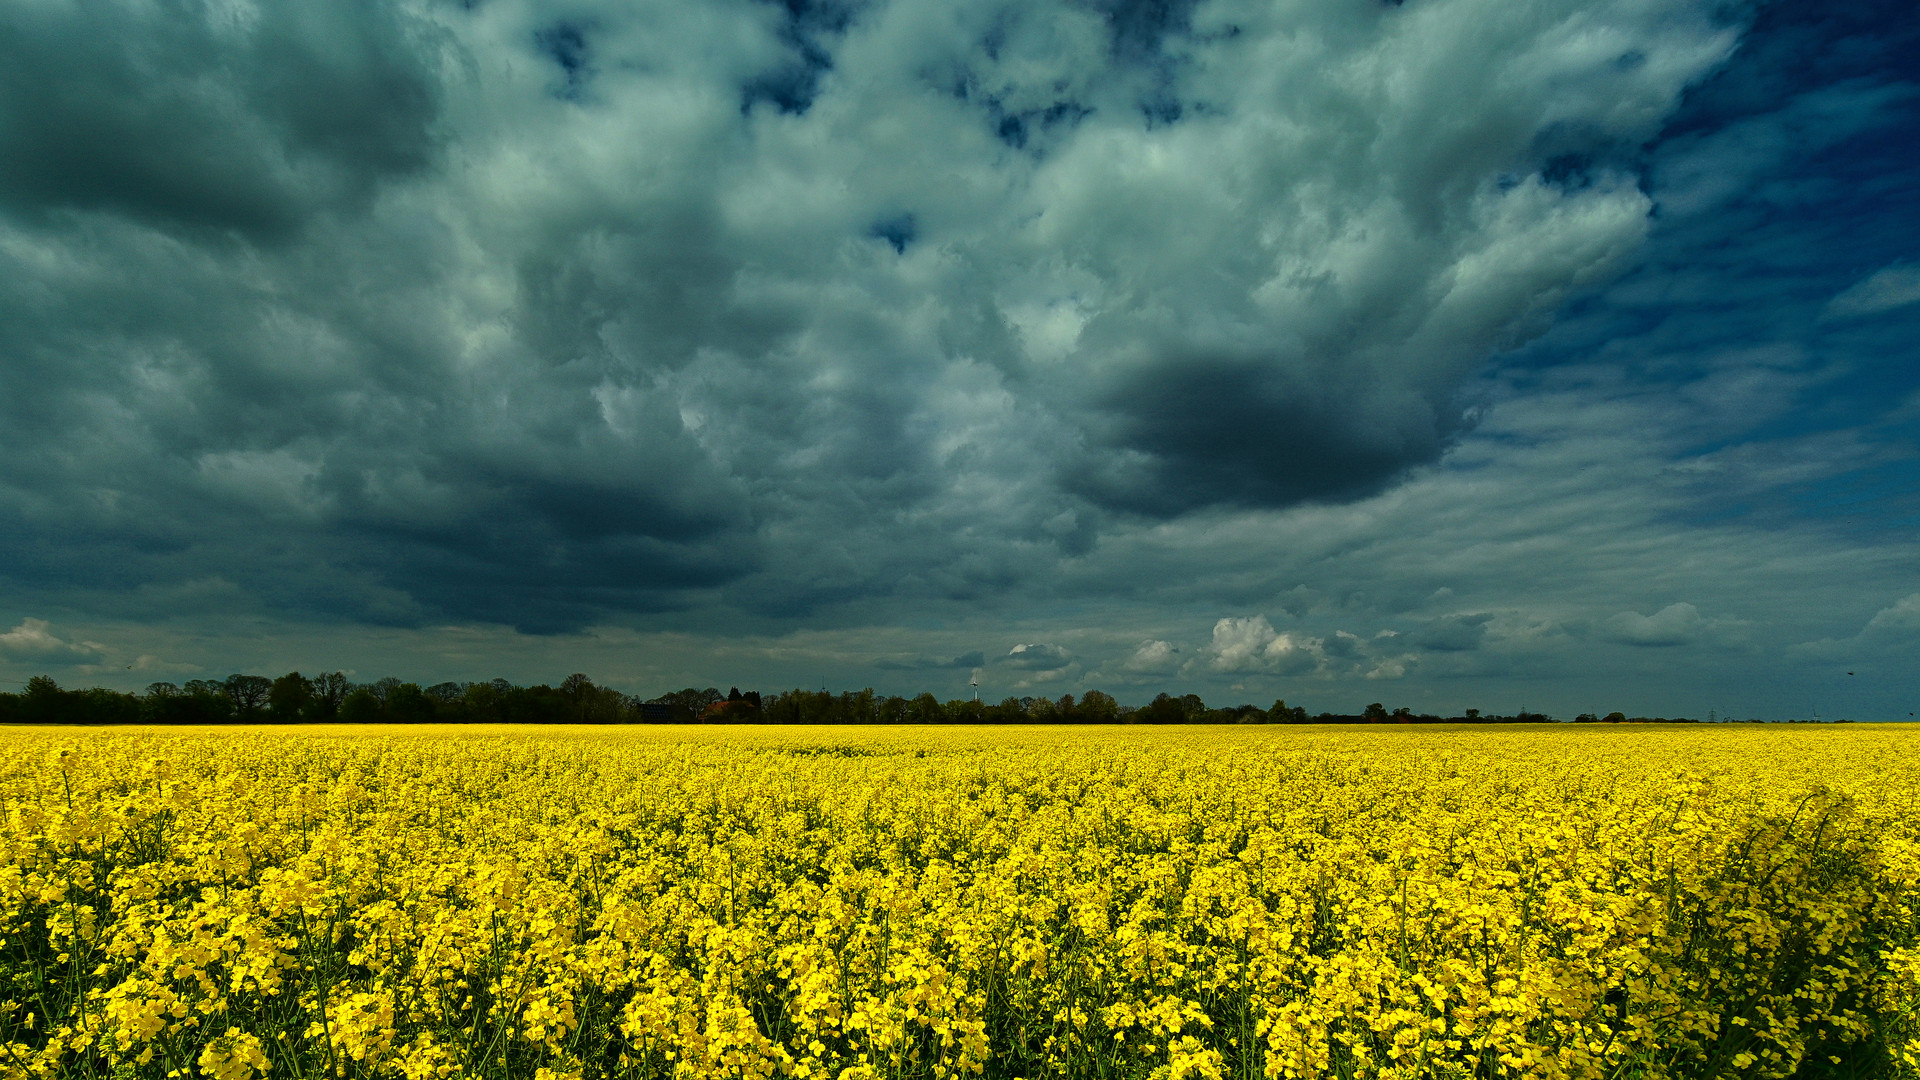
{"x": 863, "y": 903}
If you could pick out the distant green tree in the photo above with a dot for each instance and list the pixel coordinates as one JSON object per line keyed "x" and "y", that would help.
{"x": 859, "y": 707}
{"x": 362, "y": 706}
{"x": 248, "y": 694}
{"x": 290, "y": 698}
{"x": 210, "y": 701}
{"x": 42, "y": 701}
{"x": 329, "y": 690}
{"x": 449, "y": 701}
{"x": 965, "y": 711}
{"x": 599, "y": 704}
{"x": 1280, "y": 713}
{"x": 925, "y": 709}
{"x": 408, "y": 704}
{"x": 165, "y": 703}
{"x": 1161, "y": 710}
{"x": 102, "y": 706}
{"x": 1007, "y": 712}
{"x": 1098, "y": 708}
{"x": 480, "y": 703}
{"x": 687, "y": 705}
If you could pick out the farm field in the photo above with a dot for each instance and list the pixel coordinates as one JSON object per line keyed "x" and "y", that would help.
{"x": 917, "y": 902}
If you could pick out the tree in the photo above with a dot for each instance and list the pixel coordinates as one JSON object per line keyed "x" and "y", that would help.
{"x": 481, "y": 703}
{"x": 1282, "y": 714}
{"x": 1161, "y": 710}
{"x": 1098, "y": 708}
{"x": 200, "y": 702}
{"x": 408, "y": 704}
{"x": 102, "y": 706}
{"x": 1376, "y": 713}
{"x": 212, "y": 703}
{"x": 687, "y": 705}
{"x": 290, "y": 698}
{"x": 362, "y": 706}
{"x": 248, "y": 693}
{"x": 329, "y": 691}
{"x": 41, "y": 702}
{"x": 447, "y": 693}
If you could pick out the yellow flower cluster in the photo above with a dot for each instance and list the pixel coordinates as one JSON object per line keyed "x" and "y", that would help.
{"x": 892, "y": 903}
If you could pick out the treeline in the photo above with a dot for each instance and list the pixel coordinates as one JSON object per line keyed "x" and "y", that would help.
{"x": 1094, "y": 707}
{"x": 332, "y": 698}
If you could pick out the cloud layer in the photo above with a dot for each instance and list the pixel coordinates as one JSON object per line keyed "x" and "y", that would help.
{"x": 1212, "y": 341}
{"x": 411, "y": 313}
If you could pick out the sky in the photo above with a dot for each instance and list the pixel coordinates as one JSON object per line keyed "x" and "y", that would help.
{"x": 1443, "y": 353}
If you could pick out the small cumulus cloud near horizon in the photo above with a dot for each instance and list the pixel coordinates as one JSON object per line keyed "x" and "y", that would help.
{"x": 1038, "y": 657}
{"x": 1252, "y": 644}
{"x": 1675, "y": 624}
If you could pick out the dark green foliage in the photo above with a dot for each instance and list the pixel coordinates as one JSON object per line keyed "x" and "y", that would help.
{"x": 331, "y": 698}
{"x": 290, "y": 698}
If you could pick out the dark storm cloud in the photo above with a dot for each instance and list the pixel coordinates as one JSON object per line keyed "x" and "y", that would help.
{"x": 962, "y": 662}
{"x": 406, "y": 313}
{"x": 1455, "y": 633}
{"x": 1206, "y": 433}
{"x": 223, "y": 117}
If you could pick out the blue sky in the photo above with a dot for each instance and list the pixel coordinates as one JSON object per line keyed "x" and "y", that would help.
{"x": 1452, "y": 353}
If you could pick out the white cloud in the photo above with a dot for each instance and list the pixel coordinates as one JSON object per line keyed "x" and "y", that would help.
{"x": 1889, "y": 288}
{"x": 1153, "y": 657}
{"x": 1900, "y": 617}
{"x": 1251, "y": 644}
{"x": 1891, "y": 632}
{"x": 34, "y": 639}
{"x": 1392, "y": 667}
{"x": 1038, "y": 657}
{"x": 1675, "y": 624}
